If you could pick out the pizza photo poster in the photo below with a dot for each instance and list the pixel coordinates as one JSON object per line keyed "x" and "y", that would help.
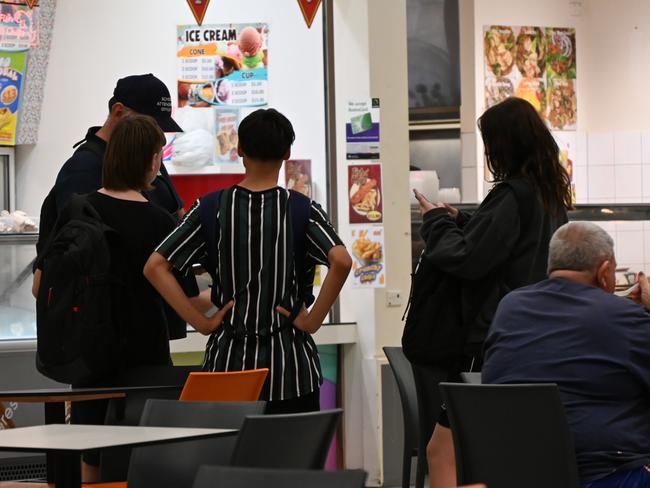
{"x": 537, "y": 64}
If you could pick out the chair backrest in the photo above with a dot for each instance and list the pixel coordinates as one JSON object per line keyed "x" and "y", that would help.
{"x": 291, "y": 441}
{"x": 509, "y": 436}
{"x": 403, "y": 373}
{"x": 233, "y": 386}
{"x": 127, "y": 411}
{"x": 173, "y": 465}
{"x": 213, "y": 476}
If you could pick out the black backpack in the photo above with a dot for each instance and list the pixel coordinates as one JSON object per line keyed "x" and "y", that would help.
{"x": 299, "y": 207}
{"x": 49, "y": 212}
{"x": 78, "y": 301}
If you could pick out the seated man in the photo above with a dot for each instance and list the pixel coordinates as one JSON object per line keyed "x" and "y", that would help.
{"x": 571, "y": 330}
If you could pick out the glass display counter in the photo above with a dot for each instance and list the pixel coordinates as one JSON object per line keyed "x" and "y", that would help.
{"x": 17, "y": 305}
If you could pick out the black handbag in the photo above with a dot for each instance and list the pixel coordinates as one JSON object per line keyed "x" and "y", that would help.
{"x": 434, "y": 333}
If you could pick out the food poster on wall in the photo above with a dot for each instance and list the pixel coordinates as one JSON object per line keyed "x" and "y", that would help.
{"x": 368, "y": 269}
{"x": 365, "y": 193}
{"x": 297, "y": 175}
{"x": 566, "y": 142}
{"x": 12, "y": 68}
{"x": 222, "y": 77}
{"x": 362, "y": 129}
{"x": 227, "y": 139}
{"x": 18, "y": 27}
{"x": 536, "y": 64}
{"x": 223, "y": 65}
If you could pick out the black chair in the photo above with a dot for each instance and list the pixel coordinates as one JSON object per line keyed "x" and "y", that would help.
{"x": 291, "y": 441}
{"x": 426, "y": 380}
{"x": 174, "y": 465}
{"x": 127, "y": 411}
{"x": 509, "y": 436}
{"x": 215, "y": 476}
{"x": 406, "y": 385}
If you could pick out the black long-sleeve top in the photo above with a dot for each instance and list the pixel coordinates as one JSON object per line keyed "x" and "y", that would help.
{"x": 502, "y": 246}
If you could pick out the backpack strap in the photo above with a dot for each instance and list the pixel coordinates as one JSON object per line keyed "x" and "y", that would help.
{"x": 208, "y": 213}
{"x": 300, "y": 208}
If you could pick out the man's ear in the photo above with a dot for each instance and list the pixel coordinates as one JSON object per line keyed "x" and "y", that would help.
{"x": 287, "y": 155}
{"x": 118, "y": 110}
{"x": 602, "y": 273}
{"x": 240, "y": 153}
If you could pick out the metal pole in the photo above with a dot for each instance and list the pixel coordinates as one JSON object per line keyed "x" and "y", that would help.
{"x": 330, "y": 125}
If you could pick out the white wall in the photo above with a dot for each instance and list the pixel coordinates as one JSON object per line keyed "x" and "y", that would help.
{"x": 367, "y": 33}
{"x": 613, "y": 63}
{"x": 96, "y": 42}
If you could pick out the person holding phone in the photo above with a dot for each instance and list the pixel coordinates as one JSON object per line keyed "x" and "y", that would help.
{"x": 502, "y": 246}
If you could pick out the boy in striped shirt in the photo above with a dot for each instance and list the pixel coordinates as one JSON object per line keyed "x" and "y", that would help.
{"x": 259, "y": 280}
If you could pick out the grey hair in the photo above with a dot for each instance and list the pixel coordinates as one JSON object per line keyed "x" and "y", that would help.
{"x": 579, "y": 246}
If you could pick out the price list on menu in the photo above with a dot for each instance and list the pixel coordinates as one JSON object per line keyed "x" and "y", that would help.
{"x": 249, "y": 93}
{"x": 197, "y": 69}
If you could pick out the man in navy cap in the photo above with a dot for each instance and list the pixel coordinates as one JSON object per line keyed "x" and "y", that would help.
{"x": 82, "y": 172}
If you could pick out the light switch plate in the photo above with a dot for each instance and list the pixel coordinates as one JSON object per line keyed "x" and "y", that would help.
{"x": 394, "y": 298}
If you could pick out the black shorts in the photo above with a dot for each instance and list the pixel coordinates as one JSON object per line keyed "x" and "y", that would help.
{"x": 305, "y": 403}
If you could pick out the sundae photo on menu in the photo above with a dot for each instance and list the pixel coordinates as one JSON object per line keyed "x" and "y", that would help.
{"x": 222, "y": 65}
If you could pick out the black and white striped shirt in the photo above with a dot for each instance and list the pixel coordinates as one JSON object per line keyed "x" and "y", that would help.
{"x": 256, "y": 269}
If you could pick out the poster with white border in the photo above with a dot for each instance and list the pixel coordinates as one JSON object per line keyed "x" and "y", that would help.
{"x": 368, "y": 264}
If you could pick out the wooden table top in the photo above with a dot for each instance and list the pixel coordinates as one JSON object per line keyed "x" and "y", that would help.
{"x": 48, "y": 395}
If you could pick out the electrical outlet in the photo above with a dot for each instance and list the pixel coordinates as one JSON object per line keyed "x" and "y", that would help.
{"x": 394, "y": 298}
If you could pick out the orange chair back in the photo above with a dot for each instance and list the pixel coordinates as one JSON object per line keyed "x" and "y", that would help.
{"x": 233, "y": 386}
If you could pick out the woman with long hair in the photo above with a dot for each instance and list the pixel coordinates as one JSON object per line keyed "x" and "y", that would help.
{"x": 502, "y": 246}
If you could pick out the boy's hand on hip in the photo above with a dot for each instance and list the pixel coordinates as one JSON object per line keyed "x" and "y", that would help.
{"x": 215, "y": 321}
{"x": 302, "y": 321}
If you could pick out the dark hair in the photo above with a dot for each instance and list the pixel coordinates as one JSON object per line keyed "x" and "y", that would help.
{"x": 266, "y": 135}
{"x": 133, "y": 142}
{"x": 519, "y": 145}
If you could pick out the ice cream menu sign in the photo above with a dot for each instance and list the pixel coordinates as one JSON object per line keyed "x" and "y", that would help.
{"x": 537, "y": 64}
{"x": 222, "y": 65}
{"x": 222, "y": 76}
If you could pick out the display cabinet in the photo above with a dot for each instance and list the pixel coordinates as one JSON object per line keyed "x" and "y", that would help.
{"x": 17, "y": 305}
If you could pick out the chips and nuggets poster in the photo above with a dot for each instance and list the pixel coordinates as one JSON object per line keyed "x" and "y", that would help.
{"x": 368, "y": 270}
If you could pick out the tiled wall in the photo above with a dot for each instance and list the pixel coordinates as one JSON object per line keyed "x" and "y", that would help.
{"x": 614, "y": 167}
{"x": 631, "y": 243}
{"x": 608, "y": 167}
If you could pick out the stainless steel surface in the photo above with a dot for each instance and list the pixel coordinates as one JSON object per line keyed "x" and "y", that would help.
{"x": 17, "y": 305}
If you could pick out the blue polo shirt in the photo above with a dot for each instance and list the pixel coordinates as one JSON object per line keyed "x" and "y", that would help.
{"x": 596, "y": 347}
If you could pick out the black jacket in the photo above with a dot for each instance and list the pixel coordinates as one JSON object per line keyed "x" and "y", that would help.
{"x": 502, "y": 246}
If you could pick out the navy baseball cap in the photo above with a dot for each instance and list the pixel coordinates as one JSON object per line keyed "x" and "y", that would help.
{"x": 147, "y": 95}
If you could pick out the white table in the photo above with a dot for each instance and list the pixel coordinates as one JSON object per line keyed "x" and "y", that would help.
{"x": 67, "y": 442}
